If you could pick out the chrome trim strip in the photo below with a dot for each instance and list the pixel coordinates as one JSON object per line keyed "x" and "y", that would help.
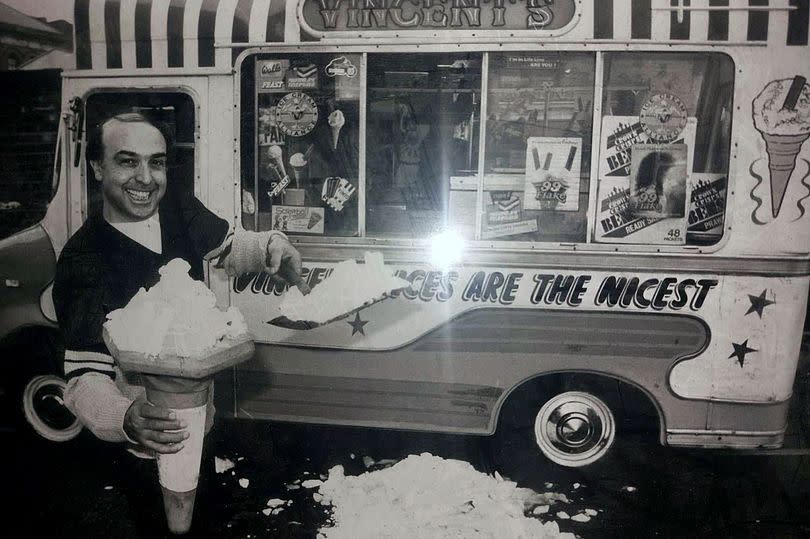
{"x": 570, "y": 260}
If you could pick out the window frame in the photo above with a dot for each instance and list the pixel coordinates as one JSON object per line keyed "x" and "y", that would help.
{"x": 178, "y": 90}
{"x": 486, "y": 47}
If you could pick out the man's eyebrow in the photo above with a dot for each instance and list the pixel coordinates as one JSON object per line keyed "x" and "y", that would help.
{"x": 127, "y": 153}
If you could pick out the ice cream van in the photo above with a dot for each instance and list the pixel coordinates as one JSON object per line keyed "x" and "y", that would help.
{"x": 601, "y": 207}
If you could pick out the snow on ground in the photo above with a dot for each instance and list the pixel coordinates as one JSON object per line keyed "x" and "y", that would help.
{"x": 424, "y": 496}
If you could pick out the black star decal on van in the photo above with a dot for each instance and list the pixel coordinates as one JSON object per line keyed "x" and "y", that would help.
{"x": 740, "y": 350}
{"x": 357, "y": 325}
{"x": 758, "y": 303}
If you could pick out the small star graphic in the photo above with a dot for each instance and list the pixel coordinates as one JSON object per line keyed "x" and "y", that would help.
{"x": 758, "y": 303}
{"x": 740, "y": 350}
{"x": 357, "y": 325}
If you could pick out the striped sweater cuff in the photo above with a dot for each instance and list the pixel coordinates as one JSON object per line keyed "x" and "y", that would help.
{"x": 81, "y": 362}
{"x": 243, "y": 251}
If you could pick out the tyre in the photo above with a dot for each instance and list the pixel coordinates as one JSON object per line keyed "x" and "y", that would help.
{"x": 575, "y": 428}
{"x": 33, "y": 387}
{"x": 44, "y": 409}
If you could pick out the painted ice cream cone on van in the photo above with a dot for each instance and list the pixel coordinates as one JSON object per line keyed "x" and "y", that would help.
{"x": 782, "y": 116}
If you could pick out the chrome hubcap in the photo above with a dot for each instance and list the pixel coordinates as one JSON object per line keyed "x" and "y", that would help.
{"x": 574, "y": 429}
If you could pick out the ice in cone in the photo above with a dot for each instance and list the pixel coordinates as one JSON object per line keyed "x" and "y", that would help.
{"x": 782, "y": 116}
{"x": 277, "y": 160}
{"x": 179, "y": 472}
{"x": 336, "y": 121}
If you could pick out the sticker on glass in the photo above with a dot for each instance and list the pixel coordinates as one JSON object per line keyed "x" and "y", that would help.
{"x": 296, "y": 114}
{"x": 663, "y": 117}
{"x": 341, "y": 67}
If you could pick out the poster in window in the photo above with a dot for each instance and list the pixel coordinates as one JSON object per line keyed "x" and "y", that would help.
{"x": 649, "y": 206}
{"x": 616, "y": 221}
{"x": 298, "y": 219}
{"x": 658, "y": 180}
{"x": 620, "y": 133}
{"x": 552, "y": 173}
{"x": 707, "y": 206}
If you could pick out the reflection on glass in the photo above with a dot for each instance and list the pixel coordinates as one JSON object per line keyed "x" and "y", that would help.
{"x": 306, "y": 135}
{"x": 664, "y": 107}
{"x": 538, "y": 146}
{"x": 422, "y": 134}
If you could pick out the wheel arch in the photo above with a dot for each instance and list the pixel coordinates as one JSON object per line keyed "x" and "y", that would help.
{"x": 558, "y": 378}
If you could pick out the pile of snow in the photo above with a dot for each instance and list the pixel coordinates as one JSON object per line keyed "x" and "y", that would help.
{"x": 429, "y": 497}
{"x": 348, "y": 287}
{"x": 177, "y": 316}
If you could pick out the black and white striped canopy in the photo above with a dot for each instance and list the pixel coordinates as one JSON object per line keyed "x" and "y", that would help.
{"x": 134, "y": 34}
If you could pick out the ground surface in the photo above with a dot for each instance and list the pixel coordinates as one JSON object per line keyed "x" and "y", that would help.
{"x": 68, "y": 490}
{"x": 72, "y": 490}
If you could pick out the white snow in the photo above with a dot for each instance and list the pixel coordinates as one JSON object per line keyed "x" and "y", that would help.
{"x": 628, "y": 488}
{"x": 222, "y": 465}
{"x": 244, "y": 483}
{"x": 427, "y": 497}
{"x": 276, "y": 502}
{"x": 347, "y": 287}
{"x": 562, "y": 515}
{"x": 591, "y": 512}
{"x": 540, "y": 510}
{"x": 581, "y": 517}
{"x": 177, "y": 316}
{"x": 312, "y": 483}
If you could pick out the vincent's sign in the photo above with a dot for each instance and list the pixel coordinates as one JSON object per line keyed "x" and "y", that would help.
{"x": 324, "y": 16}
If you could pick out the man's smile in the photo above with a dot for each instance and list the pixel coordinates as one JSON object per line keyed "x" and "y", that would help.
{"x": 139, "y": 196}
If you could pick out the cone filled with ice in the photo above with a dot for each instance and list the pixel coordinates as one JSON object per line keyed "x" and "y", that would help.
{"x": 176, "y": 338}
{"x": 782, "y": 116}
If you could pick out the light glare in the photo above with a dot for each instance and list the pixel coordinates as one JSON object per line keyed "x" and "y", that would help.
{"x": 446, "y": 249}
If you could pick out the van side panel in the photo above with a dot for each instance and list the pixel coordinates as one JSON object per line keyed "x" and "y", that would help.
{"x": 27, "y": 266}
{"x": 456, "y": 377}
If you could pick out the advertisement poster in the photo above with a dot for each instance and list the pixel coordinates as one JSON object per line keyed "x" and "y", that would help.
{"x": 658, "y": 180}
{"x": 707, "y": 206}
{"x": 620, "y": 133}
{"x": 298, "y": 219}
{"x": 552, "y": 173}
{"x": 616, "y": 221}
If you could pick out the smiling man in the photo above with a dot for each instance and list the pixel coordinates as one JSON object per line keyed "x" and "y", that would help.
{"x": 143, "y": 225}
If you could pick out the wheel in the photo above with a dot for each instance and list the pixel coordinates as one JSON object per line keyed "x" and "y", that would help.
{"x": 574, "y": 429}
{"x": 45, "y": 411}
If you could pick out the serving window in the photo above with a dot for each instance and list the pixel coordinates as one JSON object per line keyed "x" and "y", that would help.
{"x": 300, "y": 160}
{"x": 422, "y": 138}
{"x": 496, "y": 146}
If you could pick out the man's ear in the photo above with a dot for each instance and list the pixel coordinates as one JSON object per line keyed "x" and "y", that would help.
{"x": 96, "y": 165}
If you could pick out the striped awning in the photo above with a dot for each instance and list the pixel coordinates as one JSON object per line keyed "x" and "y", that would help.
{"x": 779, "y": 22}
{"x": 137, "y": 34}
{"x": 133, "y": 34}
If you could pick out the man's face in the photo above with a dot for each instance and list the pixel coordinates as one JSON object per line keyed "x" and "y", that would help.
{"x": 132, "y": 170}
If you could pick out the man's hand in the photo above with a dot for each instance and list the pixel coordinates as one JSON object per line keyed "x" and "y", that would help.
{"x": 284, "y": 261}
{"x": 153, "y": 426}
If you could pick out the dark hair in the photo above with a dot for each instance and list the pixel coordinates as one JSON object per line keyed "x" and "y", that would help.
{"x": 95, "y": 145}
{"x": 651, "y": 168}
